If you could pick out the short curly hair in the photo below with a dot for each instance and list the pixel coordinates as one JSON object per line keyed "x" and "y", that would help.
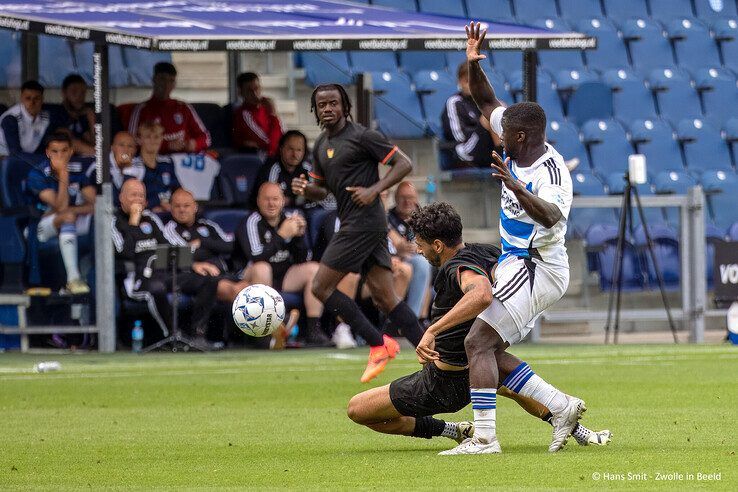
{"x": 438, "y": 220}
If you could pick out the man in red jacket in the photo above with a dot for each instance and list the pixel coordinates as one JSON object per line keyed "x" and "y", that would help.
{"x": 256, "y": 125}
{"x": 183, "y": 129}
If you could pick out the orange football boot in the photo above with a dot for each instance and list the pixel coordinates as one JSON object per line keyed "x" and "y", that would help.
{"x": 392, "y": 346}
{"x": 378, "y": 358}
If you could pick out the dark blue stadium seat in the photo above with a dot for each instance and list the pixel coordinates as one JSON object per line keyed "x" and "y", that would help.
{"x": 720, "y": 187}
{"x": 648, "y": 46}
{"x": 237, "y": 176}
{"x": 715, "y": 9}
{"x": 608, "y": 145}
{"x": 397, "y": 108}
{"x": 373, "y": 61}
{"x": 547, "y": 96}
{"x": 141, "y": 63}
{"x": 656, "y": 140}
{"x": 497, "y": 10}
{"x": 714, "y": 180}
{"x": 569, "y": 80}
{"x": 56, "y": 58}
{"x": 731, "y": 136}
{"x": 227, "y": 218}
{"x": 397, "y": 4}
{"x": 581, "y": 219}
{"x": 456, "y": 58}
{"x": 673, "y": 182}
{"x": 676, "y": 97}
{"x": 414, "y": 61}
{"x": 434, "y": 88}
{"x": 10, "y": 58}
{"x": 564, "y": 136}
{"x": 507, "y": 62}
{"x": 665, "y": 10}
{"x": 719, "y": 93}
{"x": 733, "y": 232}
{"x": 433, "y": 80}
{"x": 611, "y": 52}
{"x": 622, "y": 10}
{"x": 576, "y": 10}
{"x": 591, "y": 100}
{"x": 631, "y": 99}
{"x": 665, "y": 243}
{"x": 442, "y": 7}
{"x": 704, "y": 147}
{"x": 528, "y": 10}
{"x": 117, "y": 70}
{"x": 726, "y": 34}
{"x": 554, "y": 60}
{"x": 602, "y": 240}
{"x": 326, "y": 67}
{"x": 693, "y": 45}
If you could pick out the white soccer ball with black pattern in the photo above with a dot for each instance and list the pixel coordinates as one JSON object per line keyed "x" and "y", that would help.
{"x": 258, "y": 310}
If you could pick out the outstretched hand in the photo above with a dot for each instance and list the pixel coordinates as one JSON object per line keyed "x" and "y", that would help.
{"x": 502, "y": 171}
{"x": 474, "y": 40}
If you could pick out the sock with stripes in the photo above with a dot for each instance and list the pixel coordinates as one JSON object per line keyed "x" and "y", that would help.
{"x": 68, "y": 247}
{"x": 580, "y": 432}
{"x": 339, "y": 304}
{"x": 525, "y": 382}
{"x": 428, "y": 427}
{"x": 484, "y": 405}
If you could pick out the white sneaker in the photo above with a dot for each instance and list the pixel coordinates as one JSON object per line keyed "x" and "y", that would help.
{"x": 565, "y": 421}
{"x": 472, "y": 446}
{"x": 600, "y": 438}
{"x": 342, "y": 337}
{"x": 465, "y": 430}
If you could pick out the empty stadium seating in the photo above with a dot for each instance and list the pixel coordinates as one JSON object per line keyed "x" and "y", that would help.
{"x": 715, "y": 9}
{"x": 55, "y": 55}
{"x": 414, "y": 61}
{"x": 693, "y": 45}
{"x": 608, "y": 145}
{"x": 602, "y": 242}
{"x": 528, "y": 10}
{"x": 610, "y": 53}
{"x": 499, "y": 10}
{"x": 442, "y": 7}
{"x": 666, "y": 10}
{"x": 665, "y": 245}
{"x": 726, "y": 35}
{"x": 676, "y": 96}
{"x": 631, "y": 99}
{"x": 10, "y": 58}
{"x": 325, "y": 68}
{"x": 704, "y": 147}
{"x": 396, "y": 107}
{"x": 720, "y": 187}
{"x": 655, "y": 139}
{"x": 622, "y": 10}
{"x": 575, "y": 10}
{"x": 719, "y": 93}
{"x": 648, "y": 46}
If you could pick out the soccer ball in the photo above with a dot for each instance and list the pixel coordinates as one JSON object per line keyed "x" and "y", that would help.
{"x": 258, "y": 310}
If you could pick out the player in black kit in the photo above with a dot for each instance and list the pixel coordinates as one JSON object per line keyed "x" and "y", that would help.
{"x": 463, "y": 290}
{"x": 345, "y": 158}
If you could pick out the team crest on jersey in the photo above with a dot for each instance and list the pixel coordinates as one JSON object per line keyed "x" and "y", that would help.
{"x": 401, "y": 229}
{"x": 267, "y": 236}
{"x": 203, "y": 231}
{"x": 330, "y": 152}
{"x": 178, "y": 119}
{"x": 166, "y": 178}
{"x": 145, "y": 227}
{"x": 186, "y": 235}
{"x": 73, "y": 189}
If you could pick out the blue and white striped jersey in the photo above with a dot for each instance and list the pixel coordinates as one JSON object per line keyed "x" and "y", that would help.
{"x": 549, "y": 179}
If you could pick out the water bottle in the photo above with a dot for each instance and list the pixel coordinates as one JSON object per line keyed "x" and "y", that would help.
{"x": 48, "y": 366}
{"x": 137, "y": 336}
{"x": 430, "y": 189}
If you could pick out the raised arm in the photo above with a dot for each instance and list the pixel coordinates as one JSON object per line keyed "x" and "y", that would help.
{"x": 481, "y": 90}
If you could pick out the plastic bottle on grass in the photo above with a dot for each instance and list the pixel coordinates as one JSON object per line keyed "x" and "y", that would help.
{"x": 137, "y": 336}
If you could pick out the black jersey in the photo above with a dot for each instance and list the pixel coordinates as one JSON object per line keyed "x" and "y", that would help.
{"x": 350, "y": 158}
{"x": 215, "y": 244}
{"x": 138, "y": 243}
{"x": 480, "y": 258}
{"x": 399, "y": 225}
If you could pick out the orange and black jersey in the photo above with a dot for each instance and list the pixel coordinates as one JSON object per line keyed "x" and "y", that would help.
{"x": 480, "y": 258}
{"x": 350, "y": 158}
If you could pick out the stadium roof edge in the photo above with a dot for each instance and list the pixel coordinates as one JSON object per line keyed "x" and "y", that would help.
{"x": 268, "y": 26}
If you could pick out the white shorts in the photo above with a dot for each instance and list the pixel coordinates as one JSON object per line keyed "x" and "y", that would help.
{"x": 525, "y": 288}
{"x": 47, "y": 231}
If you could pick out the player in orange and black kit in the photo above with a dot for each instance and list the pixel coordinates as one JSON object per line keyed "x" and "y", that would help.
{"x": 345, "y": 159}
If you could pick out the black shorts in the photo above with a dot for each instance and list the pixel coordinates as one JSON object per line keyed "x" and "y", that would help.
{"x": 357, "y": 251}
{"x": 430, "y": 391}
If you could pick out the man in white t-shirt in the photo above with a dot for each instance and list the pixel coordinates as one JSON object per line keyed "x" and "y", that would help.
{"x": 533, "y": 270}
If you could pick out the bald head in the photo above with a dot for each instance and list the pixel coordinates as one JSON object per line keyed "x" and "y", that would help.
{"x": 123, "y": 148}
{"x": 270, "y": 200}
{"x": 406, "y": 200}
{"x": 184, "y": 207}
{"x": 132, "y": 191}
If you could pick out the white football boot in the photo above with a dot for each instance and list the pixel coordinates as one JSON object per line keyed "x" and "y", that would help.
{"x": 565, "y": 421}
{"x": 464, "y": 430}
{"x": 472, "y": 446}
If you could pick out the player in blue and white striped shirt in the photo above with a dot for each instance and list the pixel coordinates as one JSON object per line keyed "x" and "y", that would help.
{"x": 533, "y": 271}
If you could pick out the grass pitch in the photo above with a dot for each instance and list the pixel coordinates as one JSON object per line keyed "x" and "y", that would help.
{"x": 277, "y": 420}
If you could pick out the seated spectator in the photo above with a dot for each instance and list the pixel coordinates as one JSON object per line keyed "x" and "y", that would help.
{"x": 287, "y": 164}
{"x": 25, "y": 126}
{"x": 122, "y": 161}
{"x": 136, "y": 234}
{"x": 210, "y": 244}
{"x": 183, "y": 129}
{"x": 256, "y": 126}
{"x": 406, "y": 202}
{"x": 76, "y": 116}
{"x": 273, "y": 247}
{"x": 461, "y": 125}
{"x": 159, "y": 177}
{"x": 66, "y": 196}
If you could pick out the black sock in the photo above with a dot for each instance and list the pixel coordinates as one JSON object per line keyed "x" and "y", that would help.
{"x": 313, "y": 324}
{"x": 547, "y": 417}
{"x": 427, "y": 427}
{"x": 404, "y": 319}
{"x": 339, "y": 304}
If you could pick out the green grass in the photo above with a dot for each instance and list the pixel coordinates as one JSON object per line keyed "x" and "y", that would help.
{"x": 277, "y": 420}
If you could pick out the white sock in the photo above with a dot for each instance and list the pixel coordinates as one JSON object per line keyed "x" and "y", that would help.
{"x": 544, "y": 393}
{"x": 451, "y": 430}
{"x": 68, "y": 247}
{"x": 484, "y": 405}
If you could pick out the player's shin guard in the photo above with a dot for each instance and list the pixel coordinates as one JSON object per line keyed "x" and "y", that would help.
{"x": 484, "y": 405}
{"x": 428, "y": 427}
{"x": 527, "y": 383}
{"x": 339, "y": 304}
{"x": 68, "y": 247}
{"x": 405, "y": 320}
